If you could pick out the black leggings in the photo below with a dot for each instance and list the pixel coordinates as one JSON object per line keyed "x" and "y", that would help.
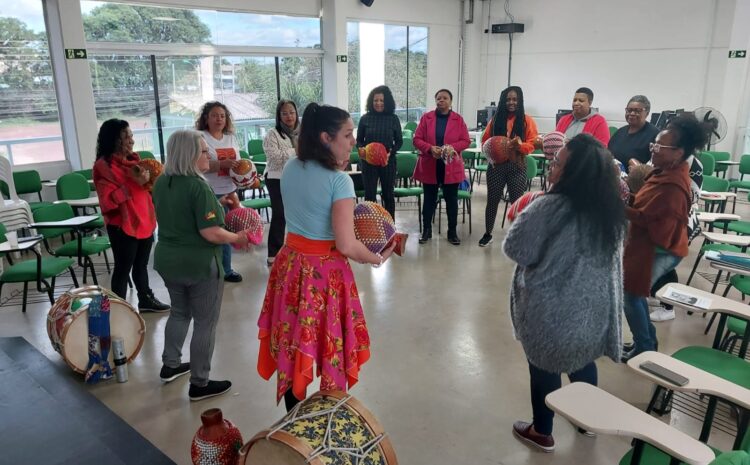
{"x": 130, "y": 254}
{"x": 387, "y": 176}
{"x": 498, "y": 176}
{"x": 290, "y": 401}
{"x": 278, "y": 220}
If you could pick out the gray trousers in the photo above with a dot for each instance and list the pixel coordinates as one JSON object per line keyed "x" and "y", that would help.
{"x": 197, "y": 299}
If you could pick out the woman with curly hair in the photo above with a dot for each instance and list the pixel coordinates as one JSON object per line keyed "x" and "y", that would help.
{"x": 380, "y": 124}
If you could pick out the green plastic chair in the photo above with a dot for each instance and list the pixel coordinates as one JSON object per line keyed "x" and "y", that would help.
{"x": 708, "y": 162}
{"x": 407, "y": 133}
{"x": 261, "y": 204}
{"x": 89, "y": 175}
{"x": 73, "y": 186}
{"x": 354, "y": 156}
{"x": 89, "y": 245}
{"x": 714, "y": 184}
{"x": 255, "y": 147}
{"x": 405, "y": 165}
{"x": 146, "y": 155}
{"x": 37, "y": 270}
{"x": 29, "y": 182}
{"x": 465, "y": 198}
{"x": 244, "y": 155}
{"x": 744, "y": 168}
{"x": 612, "y": 131}
{"x": 411, "y": 126}
{"x": 720, "y": 156}
{"x": 408, "y": 145}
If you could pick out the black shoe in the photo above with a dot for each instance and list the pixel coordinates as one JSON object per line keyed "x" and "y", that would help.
{"x": 213, "y": 388}
{"x": 170, "y": 374}
{"x": 453, "y": 239}
{"x": 426, "y": 236}
{"x": 149, "y": 303}
{"x": 485, "y": 240}
{"x": 233, "y": 277}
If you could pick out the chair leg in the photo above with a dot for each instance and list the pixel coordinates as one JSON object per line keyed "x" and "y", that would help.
{"x": 710, "y": 323}
{"x": 106, "y": 260}
{"x": 93, "y": 271}
{"x": 51, "y": 290}
{"x": 695, "y": 267}
{"x": 73, "y": 275}
{"x": 468, "y": 202}
{"x": 505, "y": 212}
{"x": 25, "y": 294}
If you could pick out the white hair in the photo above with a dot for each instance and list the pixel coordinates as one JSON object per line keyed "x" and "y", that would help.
{"x": 183, "y": 151}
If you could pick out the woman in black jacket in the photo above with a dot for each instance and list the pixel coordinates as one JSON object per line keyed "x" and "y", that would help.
{"x": 380, "y": 124}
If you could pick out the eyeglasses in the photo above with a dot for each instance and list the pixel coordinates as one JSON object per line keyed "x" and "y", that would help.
{"x": 636, "y": 111}
{"x": 655, "y": 148}
{"x": 284, "y": 114}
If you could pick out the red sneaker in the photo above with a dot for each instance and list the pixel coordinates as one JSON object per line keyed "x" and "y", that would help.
{"x": 522, "y": 431}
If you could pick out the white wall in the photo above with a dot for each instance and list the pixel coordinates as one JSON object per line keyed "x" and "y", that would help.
{"x": 673, "y": 51}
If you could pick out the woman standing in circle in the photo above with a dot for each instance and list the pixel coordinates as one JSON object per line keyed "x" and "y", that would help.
{"x": 380, "y": 124}
{"x": 510, "y": 121}
{"x": 572, "y": 236}
{"x": 311, "y": 313}
{"x": 127, "y": 210}
{"x": 187, "y": 258}
{"x": 280, "y": 145}
{"x": 437, "y": 129}
{"x": 215, "y": 123}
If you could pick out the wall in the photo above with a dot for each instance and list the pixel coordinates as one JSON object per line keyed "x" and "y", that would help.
{"x": 673, "y": 51}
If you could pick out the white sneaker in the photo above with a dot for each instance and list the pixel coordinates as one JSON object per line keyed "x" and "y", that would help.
{"x": 662, "y": 314}
{"x": 653, "y": 302}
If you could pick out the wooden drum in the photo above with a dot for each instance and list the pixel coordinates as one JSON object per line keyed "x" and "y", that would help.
{"x": 328, "y": 428}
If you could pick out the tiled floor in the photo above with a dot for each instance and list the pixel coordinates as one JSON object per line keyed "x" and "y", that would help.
{"x": 446, "y": 377}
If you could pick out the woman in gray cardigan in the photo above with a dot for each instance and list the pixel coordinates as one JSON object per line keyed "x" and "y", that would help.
{"x": 566, "y": 300}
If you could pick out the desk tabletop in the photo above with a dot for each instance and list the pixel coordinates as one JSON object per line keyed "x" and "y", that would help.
{"x": 705, "y": 195}
{"x": 88, "y": 202}
{"x": 731, "y": 239}
{"x": 727, "y": 162}
{"x": 713, "y": 302}
{"x": 22, "y": 244}
{"x": 69, "y": 223}
{"x": 700, "y": 382}
{"x": 583, "y": 404}
{"x": 710, "y": 217}
{"x": 473, "y": 149}
{"x": 728, "y": 267}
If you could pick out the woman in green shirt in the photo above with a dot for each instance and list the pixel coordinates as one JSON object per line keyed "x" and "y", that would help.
{"x": 188, "y": 258}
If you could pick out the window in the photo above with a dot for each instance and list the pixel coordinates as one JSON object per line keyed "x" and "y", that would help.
{"x": 396, "y": 56}
{"x": 128, "y": 23}
{"x": 29, "y": 121}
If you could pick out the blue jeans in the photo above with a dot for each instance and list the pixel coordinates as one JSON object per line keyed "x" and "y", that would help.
{"x": 543, "y": 382}
{"x": 636, "y": 307}
{"x": 226, "y": 249}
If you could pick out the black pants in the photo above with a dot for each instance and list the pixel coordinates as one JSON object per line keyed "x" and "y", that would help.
{"x": 450, "y": 194}
{"x": 278, "y": 221}
{"x": 498, "y": 176}
{"x": 387, "y": 176}
{"x": 543, "y": 382}
{"x": 290, "y": 401}
{"x": 130, "y": 254}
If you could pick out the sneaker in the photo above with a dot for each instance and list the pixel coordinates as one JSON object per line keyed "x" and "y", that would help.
{"x": 653, "y": 302}
{"x": 213, "y": 388}
{"x": 587, "y": 433}
{"x": 454, "y": 240}
{"x": 426, "y": 236}
{"x": 168, "y": 375}
{"x": 661, "y": 314}
{"x": 485, "y": 240}
{"x": 628, "y": 346}
{"x": 233, "y": 277}
{"x": 522, "y": 431}
{"x": 150, "y": 303}
{"x": 270, "y": 260}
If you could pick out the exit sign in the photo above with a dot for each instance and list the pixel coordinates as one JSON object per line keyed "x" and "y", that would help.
{"x": 75, "y": 53}
{"x": 340, "y": 58}
{"x": 737, "y": 53}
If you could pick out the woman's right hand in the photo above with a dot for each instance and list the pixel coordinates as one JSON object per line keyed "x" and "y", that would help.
{"x": 436, "y": 151}
{"x": 140, "y": 176}
{"x": 228, "y": 164}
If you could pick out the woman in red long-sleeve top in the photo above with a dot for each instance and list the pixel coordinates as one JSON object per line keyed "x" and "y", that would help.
{"x": 127, "y": 210}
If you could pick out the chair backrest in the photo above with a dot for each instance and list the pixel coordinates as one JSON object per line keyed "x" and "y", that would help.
{"x": 411, "y": 125}
{"x": 27, "y": 182}
{"x": 3, "y": 230}
{"x": 88, "y": 173}
{"x": 354, "y": 156}
{"x": 720, "y": 156}
{"x": 405, "y": 164}
{"x": 408, "y": 145}
{"x": 55, "y": 212}
{"x": 714, "y": 184}
{"x": 407, "y": 133}
{"x": 612, "y": 131}
{"x": 244, "y": 154}
{"x": 532, "y": 168}
{"x": 708, "y": 162}
{"x": 744, "y": 167}
{"x": 72, "y": 186}
{"x": 146, "y": 155}
{"x": 6, "y": 174}
{"x": 254, "y": 147}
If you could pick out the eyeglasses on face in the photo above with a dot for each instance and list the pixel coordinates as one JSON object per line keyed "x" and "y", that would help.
{"x": 636, "y": 111}
{"x": 655, "y": 148}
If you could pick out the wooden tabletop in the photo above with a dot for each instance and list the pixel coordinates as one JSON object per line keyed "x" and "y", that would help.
{"x": 700, "y": 382}
{"x": 716, "y": 302}
{"x": 731, "y": 239}
{"x": 596, "y": 410}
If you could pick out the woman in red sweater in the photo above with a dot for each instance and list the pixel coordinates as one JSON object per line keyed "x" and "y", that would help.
{"x": 127, "y": 209}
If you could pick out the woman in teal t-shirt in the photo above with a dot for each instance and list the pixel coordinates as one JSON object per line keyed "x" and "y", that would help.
{"x": 311, "y": 314}
{"x": 188, "y": 258}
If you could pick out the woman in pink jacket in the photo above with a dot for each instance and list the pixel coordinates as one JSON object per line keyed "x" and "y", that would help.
{"x": 439, "y": 131}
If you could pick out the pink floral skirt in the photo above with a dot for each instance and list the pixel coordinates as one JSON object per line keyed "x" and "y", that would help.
{"x": 311, "y": 315}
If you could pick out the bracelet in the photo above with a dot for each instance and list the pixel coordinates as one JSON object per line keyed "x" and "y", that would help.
{"x": 381, "y": 261}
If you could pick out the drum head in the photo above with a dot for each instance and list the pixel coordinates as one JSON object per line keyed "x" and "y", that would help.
{"x": 270, "y": 452}
{"x": 124, "y": 322}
